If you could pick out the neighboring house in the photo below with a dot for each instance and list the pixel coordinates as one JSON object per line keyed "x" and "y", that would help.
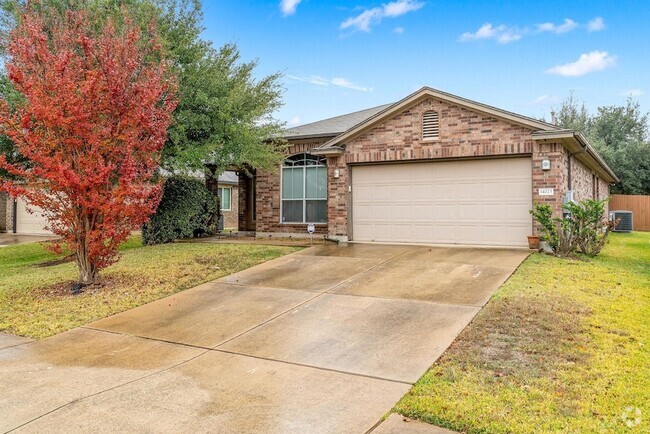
{"x": 431, "y": 168}
{"x": 34, "y": 223}
{"x": 3, "y": 211}
{"x": 18, "y": 220}
{"x": 228, "y": 192}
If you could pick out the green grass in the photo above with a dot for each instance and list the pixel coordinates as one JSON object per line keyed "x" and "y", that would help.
{"x": 563, "y": 346}
{"x": 35, "y": 300}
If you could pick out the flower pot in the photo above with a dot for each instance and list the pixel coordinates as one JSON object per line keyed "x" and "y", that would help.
{"x": 533, "y": 242}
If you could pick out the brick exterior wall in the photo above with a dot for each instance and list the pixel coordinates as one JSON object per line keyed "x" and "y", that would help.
{"x": 555, "y": 178}
{"x": 463, "y": 133}
{"x": 269, "y": 198}
{"x": 582, "y": 181}
{"x": 4, "y": 204}
{"x": 231, "y": 218}
{"x": 9, "y": 214}
{"x": 585, "y": 184}
{"x": 241, "y": 203}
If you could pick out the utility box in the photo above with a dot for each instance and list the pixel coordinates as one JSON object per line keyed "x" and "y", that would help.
{"x": 625, "y": 220}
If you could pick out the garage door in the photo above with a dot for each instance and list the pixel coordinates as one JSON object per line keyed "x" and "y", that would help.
{"x": 478, "y": 202}
{"x": 27, "y": 223}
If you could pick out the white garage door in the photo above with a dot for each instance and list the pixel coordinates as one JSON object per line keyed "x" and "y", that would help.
{"x": 27, "y": 223}
{"x": 478, "y": 202}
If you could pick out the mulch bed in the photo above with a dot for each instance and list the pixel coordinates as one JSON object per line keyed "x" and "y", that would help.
{"x": 65, "y": 289}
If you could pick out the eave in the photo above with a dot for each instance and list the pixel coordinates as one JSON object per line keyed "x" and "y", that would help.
{"x": 578, "y": 145}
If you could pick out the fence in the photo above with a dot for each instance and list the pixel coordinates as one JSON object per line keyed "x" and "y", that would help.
{"x": 639, "y": 205}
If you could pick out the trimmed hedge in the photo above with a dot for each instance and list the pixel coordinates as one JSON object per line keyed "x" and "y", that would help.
{"x": 187, "y": 209}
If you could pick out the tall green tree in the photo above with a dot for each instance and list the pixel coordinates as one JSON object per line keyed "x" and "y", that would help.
{"x": 572, "y": 114}
{"x": 225, "y": 112}
{"x": 620, "y": 134}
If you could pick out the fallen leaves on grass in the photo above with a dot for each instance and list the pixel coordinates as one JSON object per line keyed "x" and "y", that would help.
{"x": 38, "y": 302}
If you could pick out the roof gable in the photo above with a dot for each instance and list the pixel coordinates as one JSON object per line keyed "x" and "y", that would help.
{"x": 427, "y": 92}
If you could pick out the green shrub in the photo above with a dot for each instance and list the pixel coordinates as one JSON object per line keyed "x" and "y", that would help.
{"x": 187, "y": 209}
{"x": 584, "y": 229}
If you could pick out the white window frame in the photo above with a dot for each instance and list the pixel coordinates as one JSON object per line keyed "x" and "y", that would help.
{"x": 304, "y": 198}
{"x": 221, "y": 198}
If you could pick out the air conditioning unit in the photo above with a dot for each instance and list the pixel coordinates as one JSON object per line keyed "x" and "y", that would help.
{"x": 624, "y": 219}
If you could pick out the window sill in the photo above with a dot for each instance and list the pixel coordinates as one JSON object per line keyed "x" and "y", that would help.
{"x": 303, "y": 224}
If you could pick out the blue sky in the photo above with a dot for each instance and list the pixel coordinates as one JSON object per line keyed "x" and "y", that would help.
{"x": 523, "y": 56}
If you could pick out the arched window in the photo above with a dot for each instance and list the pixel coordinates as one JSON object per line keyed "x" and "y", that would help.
{"x": 430, "y": 125}
{"x": 304, "y": 189}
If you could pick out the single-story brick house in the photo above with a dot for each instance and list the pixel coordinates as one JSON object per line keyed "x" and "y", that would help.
{"x": 433, "y": 168}
{"x": 228, "y": 192}
{"x": 15, "y": 218}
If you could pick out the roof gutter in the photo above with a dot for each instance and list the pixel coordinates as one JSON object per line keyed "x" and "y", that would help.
{"x": 311, "y": 136}
{"x": 333, "y": 151}
{"x": 570, "y": 137}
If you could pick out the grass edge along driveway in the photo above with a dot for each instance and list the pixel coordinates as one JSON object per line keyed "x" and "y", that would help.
{"x": 563, "y": 346}
{"x": 33, "y": 296}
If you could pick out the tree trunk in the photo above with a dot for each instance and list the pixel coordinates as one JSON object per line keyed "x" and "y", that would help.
{"x": 88, "y": 271}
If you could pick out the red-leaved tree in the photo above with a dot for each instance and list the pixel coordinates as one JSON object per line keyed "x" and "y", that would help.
{"x": 97, "y": 105}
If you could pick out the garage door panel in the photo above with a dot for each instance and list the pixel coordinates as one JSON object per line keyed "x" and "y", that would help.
{"x": 380, "y": 192}
{"x": 422, "y": 212}
{"x": 440, "y": 190}
{"x": 381, "y": 212}
{"x": 402, "y": 212}
{"x": 492, "y": 211}
{"x": 463, "y": 202}
{"x": 402, "y": 232}
{"x": 401, "y": 193}
{"x": 29, "y": 222}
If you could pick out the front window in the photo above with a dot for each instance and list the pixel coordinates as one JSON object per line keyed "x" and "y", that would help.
{"x": 225, "y": 196}
{"x": 304, "y": 189}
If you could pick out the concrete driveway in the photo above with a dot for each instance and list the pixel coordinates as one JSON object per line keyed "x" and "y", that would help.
{"x": 323, "y": 340}
{"x": 11, "y": 239}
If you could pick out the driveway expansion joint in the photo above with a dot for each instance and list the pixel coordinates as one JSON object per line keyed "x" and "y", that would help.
{"x": 236, "y": 353}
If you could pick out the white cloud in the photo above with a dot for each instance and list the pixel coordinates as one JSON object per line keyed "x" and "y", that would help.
{"x": 502, "y": 34}
{"x": 401, "y": 7}
{"x": 398, "y": 30}
{"x": 312, "y": 79}
{"x": 344, "y": 82}
{"x": 586, "y": 63}
{"x": 288, "y": 7}
{"x": 370, "y": 17}
{"x": 294, "y": 121}
{"x": 336, "y": 81}
{"x": 544, "y": 99}
{"x": 565, "y": 27}
{"x": 364, "y": 20}
{"x": 596, "y": 25}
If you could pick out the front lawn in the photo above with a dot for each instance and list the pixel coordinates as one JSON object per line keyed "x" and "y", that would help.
{"x": 563, "y": 346}
{"x": 35, "y": 300}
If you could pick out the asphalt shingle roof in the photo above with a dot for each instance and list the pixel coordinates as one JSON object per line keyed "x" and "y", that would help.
{"x": 332, "y": 126}
{"x": 228, "y": 178}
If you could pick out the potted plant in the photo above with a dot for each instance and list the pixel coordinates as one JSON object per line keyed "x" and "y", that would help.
{"x": 533, "y": 242}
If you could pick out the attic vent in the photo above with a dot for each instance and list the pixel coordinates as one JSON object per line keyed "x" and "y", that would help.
{"x": 430, "y": 125}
